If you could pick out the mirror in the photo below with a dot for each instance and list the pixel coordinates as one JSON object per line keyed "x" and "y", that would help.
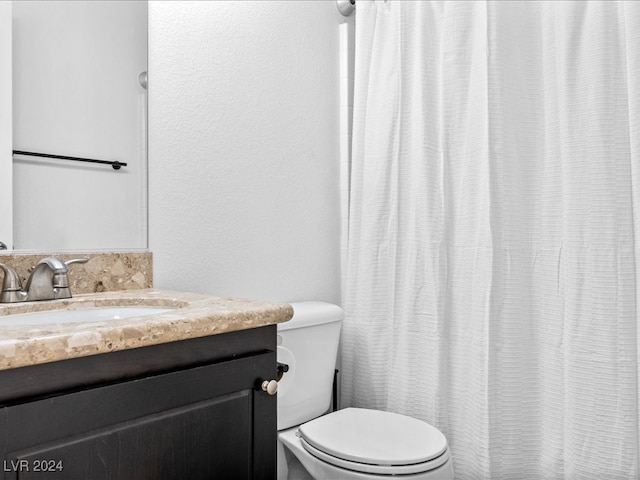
{"x": 76, "y": 92}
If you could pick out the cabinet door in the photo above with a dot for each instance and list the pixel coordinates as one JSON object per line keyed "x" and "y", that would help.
{"x": 202, "y": 423}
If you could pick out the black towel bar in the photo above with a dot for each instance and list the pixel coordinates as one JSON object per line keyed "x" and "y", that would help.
{"x": 115, "y": 165}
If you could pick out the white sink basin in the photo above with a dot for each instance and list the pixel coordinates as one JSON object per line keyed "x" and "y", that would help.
{"x": 81, "y": 315}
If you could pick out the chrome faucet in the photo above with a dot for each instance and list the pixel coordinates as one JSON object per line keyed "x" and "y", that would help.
{"x": 48, "y": 281}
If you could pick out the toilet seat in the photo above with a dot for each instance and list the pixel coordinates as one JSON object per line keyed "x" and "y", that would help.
{"x": 378, "y": 469}
{"x": 373, "y": 441}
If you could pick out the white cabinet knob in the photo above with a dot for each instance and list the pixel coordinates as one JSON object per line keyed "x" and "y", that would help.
{"x": 271, "y": 387}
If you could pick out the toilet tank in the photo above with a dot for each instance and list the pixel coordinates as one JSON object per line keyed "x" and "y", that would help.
{"x": 308, "y": 344}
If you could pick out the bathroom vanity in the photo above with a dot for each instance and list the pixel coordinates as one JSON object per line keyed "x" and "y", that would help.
{"x": 170, "y": 395}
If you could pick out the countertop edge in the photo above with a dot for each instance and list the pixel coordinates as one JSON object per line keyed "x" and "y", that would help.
{"x": 196, "y": 315}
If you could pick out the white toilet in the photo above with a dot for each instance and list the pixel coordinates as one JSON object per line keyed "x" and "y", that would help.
{"x": 352, "y": 443}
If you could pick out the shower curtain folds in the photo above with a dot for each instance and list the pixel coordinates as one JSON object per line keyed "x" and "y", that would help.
{"x": 491, "y": 282}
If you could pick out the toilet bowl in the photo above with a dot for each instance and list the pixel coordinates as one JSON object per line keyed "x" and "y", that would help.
{"x": 363, "y": 444}
{"x": 353, "y": 443}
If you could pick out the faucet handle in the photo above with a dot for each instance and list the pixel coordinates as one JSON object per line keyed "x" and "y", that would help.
{"x": 60, "y": 279}
{"x": 11, "y": 280}
{"x": 11, "y": 286}
{"x": 76, "y": 260}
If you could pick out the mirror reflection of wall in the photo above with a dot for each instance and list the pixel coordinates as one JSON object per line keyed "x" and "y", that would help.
{"x": 76, "y": 92}
{"x": 6, "y": 142}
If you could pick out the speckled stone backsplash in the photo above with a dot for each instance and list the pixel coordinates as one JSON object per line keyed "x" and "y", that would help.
{"x": 104, "y": 272}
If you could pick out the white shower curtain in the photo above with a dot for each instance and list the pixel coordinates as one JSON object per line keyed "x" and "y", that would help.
{"x": 491, "y": 285}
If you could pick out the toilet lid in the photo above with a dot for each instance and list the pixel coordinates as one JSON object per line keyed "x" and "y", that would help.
{"x": 373, "y": 437}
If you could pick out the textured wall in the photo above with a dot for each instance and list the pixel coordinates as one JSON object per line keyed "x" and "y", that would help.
{"x": 243, "y": 148}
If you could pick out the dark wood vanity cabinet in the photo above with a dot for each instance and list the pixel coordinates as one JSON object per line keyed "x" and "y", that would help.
{"x": 192, "y": 409}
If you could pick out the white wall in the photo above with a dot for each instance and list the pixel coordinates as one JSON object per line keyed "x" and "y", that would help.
{"x": 6, "y": 163}
{"x": 76, "y": 92}
{"x": 244, "y": 148}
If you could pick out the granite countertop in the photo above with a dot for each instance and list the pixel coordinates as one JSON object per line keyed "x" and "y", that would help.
{"x": 195, "y": 315}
